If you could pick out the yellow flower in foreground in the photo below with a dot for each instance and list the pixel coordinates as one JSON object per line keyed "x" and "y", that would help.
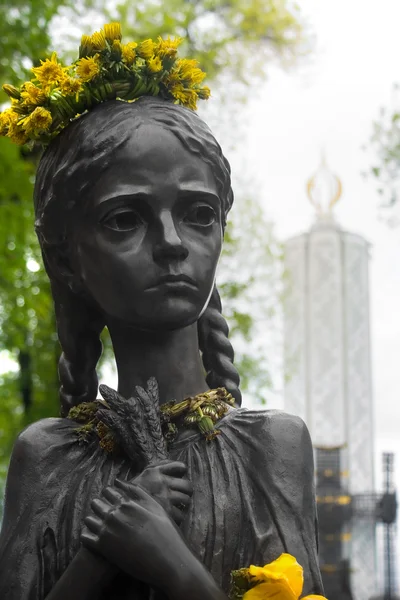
{"x": 38, "y": 121}
{"x": 32, "y": 94}
{"x": 112, "y": 31}
{"x": 280, "y": 580}
{"x": 284, "y": 571}
{"x": 146, "y": 49}
{"x": 168, "y": 47}
{"x": 88, "y": 68}
{"x": 129, "y": 52}
{"x": 154, "y": 64}
{"x": 50, "y": 72}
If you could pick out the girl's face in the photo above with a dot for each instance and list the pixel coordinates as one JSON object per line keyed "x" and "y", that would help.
{"x": 148, "y": 244}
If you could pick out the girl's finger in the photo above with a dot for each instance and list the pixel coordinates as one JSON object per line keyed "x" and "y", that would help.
{"x": 180, "y": 500}
{"x": 89, "y": 540}
{"x": 100, "y": 507}
{"x": 175, "y": 468}
{"x": 112, "y": 495}
{"x": 130, "y": 489}
{"x": 177, "y": 515}
{"x": 180, "y": 485}
{"x": 94, "y": 524}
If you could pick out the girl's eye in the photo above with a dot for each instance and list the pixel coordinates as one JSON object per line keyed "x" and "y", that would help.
{"x": 203, "y": 216}
{"x": 127, "y": 220}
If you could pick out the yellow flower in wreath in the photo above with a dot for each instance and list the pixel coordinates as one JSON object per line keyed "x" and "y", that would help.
{"x": 146, "y": 49}
{"x": 50, "y": 71}
{"x": 167, "y": 48}
{"x": 39, "y": 120}
{"x": 280, "y": 580}
{"x": 98, "y": 41}
{"x": 154, "y": 64}
{"x": 88, "y": 68}
{"x": 129, "y": 52}
{"x": 7, "y": 119}
{"x": 70, "y": 86}
{"x": 112, "y": 31}
{"x": 32, "y": 94}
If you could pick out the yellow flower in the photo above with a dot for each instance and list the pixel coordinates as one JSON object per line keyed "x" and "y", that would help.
{"x": 39, "y": 120}
{"x": 11, "y": 91}
{"x": 112, "y": 31}
{"x": 7, "y": 118}
{"x": 167, "y": 48}
{"x": 88, "y": 68}
{"x": 184, "y": 96}
{"x": 32, "y": 94}
{"x": 86, "y": 48}
{"x": 70, "y": 85}
{"x": 204, "y": 93}
{"x": 154, "y": 64}
{"x": 146, "y": 49}
{"x": 129, "y": 53}
{"x": 189, "y": 71}
{"x": 50, "y": 72}
{"x": 98, "y": 41}
{"x": 116, "y": 50}
{"x": 17, "y": 134}
{"x": 282, "y": 579}
{"x": 285, "y": 571}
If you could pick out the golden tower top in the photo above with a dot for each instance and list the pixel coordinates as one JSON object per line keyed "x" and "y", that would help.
{"x": 324, "y": 189}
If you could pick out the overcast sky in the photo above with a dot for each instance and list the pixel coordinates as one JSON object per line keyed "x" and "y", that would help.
{"x": 330, "y": 102}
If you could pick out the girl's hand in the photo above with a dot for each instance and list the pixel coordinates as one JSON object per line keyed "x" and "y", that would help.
{"x": 164, "y": 482}
{"x": 134, "y": 532}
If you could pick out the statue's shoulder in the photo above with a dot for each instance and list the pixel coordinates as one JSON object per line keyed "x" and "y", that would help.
{"x": 40, "y": 437}
{"x": 274, "y": 433}
{"x": 276, "y": 423}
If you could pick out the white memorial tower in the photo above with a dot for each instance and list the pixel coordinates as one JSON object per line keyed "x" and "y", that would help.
{"x": 327, "y": 356}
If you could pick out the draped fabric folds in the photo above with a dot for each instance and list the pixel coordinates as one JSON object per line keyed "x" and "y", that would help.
{"x": 253, "y": 499}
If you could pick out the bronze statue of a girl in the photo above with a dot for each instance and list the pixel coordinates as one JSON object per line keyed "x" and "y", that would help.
{"x": 131, "y": 201}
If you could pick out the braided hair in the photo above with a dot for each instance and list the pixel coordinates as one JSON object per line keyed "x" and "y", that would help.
{"x": 66, "y": 170}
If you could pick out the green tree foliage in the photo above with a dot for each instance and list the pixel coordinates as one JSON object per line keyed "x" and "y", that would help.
{"x": 252, "y": 299}
{"x": 238, "y": 37}
{"x": 385, "y": 142}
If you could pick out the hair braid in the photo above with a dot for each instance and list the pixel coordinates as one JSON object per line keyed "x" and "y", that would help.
{"x": 217, "y": 350}
{"x": 79, "y": 327}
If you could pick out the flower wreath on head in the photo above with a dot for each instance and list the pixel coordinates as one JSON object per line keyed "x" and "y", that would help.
{"x": 105, "y": 70}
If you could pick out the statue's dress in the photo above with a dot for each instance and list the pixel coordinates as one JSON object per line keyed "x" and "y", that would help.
{"x": 253, "y": 499}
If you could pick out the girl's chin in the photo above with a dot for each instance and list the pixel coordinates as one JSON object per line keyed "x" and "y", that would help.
{"x": 165, "y": 318}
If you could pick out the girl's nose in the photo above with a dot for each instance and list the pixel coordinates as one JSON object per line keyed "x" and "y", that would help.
{"x": 169, "y": 244}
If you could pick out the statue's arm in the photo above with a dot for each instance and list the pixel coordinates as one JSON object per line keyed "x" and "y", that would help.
{"x": 131, "y": 529}
{"x": 19, "y": 565}
{"x": 84, "y": 579}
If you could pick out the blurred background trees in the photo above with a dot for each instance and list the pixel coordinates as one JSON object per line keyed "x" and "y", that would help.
{"x": 385, "y": 143}
{"x": 235, "y": 41}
